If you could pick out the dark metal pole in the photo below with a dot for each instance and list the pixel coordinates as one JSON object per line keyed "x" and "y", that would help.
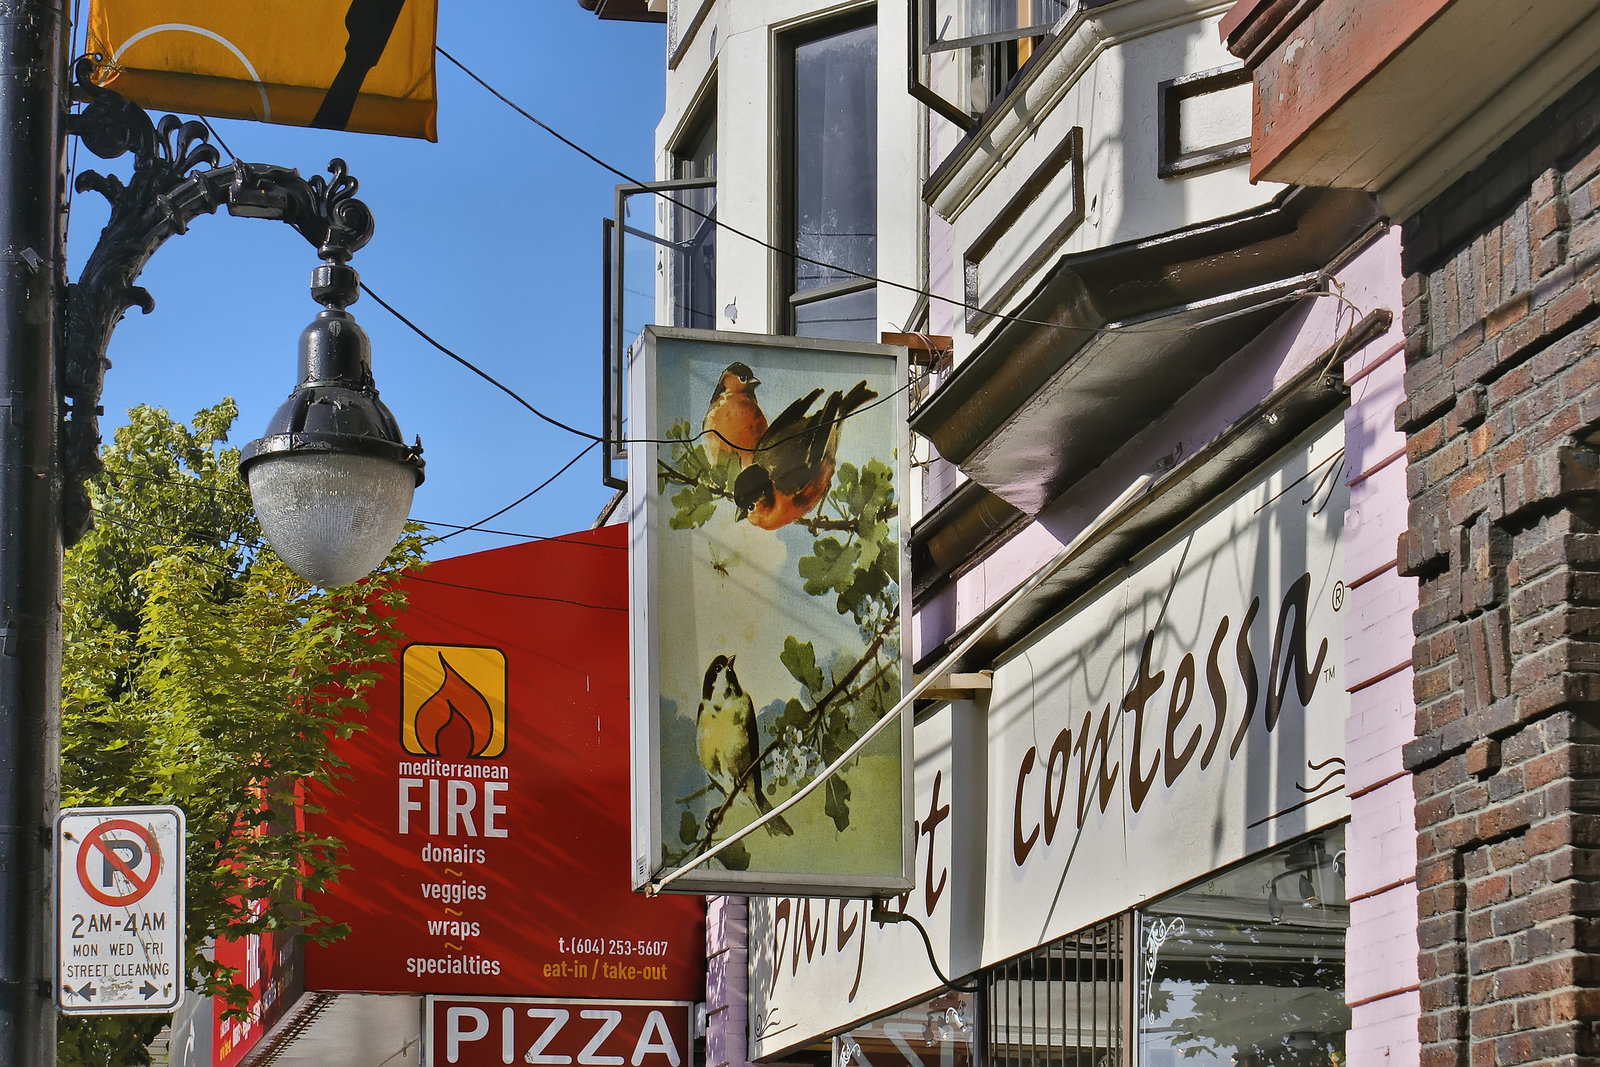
{"x": 32, "y": 105}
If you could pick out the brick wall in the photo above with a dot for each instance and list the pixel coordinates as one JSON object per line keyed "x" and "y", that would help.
{"x": 1502, "y": 417}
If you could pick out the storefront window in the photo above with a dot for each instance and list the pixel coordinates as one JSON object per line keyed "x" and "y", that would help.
{"x": 1246, "y": 969}
{"x": 936, "y": 1033}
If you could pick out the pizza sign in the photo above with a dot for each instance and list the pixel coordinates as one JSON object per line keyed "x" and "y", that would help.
{"x": 485, "y": 1031}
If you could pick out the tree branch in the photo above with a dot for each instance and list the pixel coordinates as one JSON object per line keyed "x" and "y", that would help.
{"x": 840, "y": 689}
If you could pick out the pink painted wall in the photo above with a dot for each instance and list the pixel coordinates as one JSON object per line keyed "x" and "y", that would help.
{"x": 1382, "y": 980}
{"x": 1381, "y": 953}
{"x": 728, "y": 983}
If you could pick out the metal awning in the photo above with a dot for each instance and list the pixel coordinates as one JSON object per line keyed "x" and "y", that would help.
{"x": 625, "y": 10}
{"x": 1111, "y": 338}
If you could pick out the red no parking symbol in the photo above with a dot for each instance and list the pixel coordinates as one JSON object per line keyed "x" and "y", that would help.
{"x": 134, "y": 859}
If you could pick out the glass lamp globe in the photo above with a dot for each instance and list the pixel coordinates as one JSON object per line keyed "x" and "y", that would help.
{"x": 332, "y": 517}
{"x": 331, "y": 478}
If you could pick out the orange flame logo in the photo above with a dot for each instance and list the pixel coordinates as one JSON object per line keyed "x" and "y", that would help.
{"x": 453, "y": 701}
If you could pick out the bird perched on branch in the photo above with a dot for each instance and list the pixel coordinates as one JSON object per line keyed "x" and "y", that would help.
{"x": 795, "y": 459}
{"x": 725, "y": 726}
{"x": 734, "y": 421}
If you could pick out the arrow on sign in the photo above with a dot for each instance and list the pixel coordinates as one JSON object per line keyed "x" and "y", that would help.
{"x": 148, "y": 990}
{"x": 85, "y": 991}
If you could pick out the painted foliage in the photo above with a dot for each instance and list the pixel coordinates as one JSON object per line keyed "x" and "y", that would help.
{"x": 767, "y": 597}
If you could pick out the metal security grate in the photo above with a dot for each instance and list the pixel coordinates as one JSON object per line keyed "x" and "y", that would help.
{"x": 1061, "y": 1005}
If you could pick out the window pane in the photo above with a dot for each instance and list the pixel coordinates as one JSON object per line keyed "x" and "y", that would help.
{"x": 1248, "y": 967}
{"x": 697, "y": 157}
{"x": 692, "y": 262}
{"x": 938, "y": 1032}
{"x": 848, "y": 317}
{"x": 691, "y": 265}
{"x": 959, "y": 22}
{"x": 836, "y": 159}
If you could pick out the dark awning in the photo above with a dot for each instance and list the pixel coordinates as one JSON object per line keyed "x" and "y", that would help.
{"x": 623, "y": 10}
{"x": 1118, "y": 334}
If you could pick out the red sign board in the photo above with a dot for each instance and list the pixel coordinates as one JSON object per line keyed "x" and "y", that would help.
{"x": 500, "y": 1031}
{"x": 267, "y": 967}
{"x": 486, "y": 816}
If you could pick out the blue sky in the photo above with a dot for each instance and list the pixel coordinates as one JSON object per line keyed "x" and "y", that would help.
{"x": 489, "y": 240}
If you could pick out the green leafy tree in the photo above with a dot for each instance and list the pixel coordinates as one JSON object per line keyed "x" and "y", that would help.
{"x": 200, "y": 671}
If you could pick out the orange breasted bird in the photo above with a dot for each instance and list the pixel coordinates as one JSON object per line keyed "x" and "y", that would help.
{"x": 725, "y": 727}
{"x": 794, "y": 462}
{"x": 734, "y": 421}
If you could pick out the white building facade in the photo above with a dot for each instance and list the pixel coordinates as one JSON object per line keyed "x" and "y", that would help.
{"x": 1161, "y": 813}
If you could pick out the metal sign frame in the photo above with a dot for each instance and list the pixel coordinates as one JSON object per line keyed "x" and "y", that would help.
{"x": 709, "y": 590}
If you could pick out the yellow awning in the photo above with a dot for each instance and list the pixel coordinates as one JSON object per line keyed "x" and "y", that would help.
{"x": 360, "y": 65}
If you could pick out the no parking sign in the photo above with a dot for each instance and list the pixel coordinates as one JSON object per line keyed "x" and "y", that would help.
{"x": 119, "y": 910}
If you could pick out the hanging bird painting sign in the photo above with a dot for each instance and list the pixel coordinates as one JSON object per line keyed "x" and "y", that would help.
{"x": 765, "y": 501}
{"x": 359, "y": 65}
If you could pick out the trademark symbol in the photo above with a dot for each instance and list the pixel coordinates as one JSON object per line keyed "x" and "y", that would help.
{"x": 1338, "y": 595}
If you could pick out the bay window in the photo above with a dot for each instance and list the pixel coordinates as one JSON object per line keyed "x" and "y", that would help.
{"x": 830, "y": 154}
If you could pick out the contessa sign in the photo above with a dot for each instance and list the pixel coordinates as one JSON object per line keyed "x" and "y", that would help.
{"x": 766, "y": 567}
{"x": 1187, "y": 715}
{"x": 485, "y": 812}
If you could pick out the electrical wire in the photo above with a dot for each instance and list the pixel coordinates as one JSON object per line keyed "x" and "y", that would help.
{"x": 712, "y": 219}
{"x": 596, "y": 438}
{"x": 218, "y": 138}
{"x": 420, "y": 332}
{"x": 586, "y": 435}
{"x": 925, "y": 294}
{"x": 140, "y": 526}
{"x": 475, "y": 369}
{"x": 243, "y": 495}
{"x": 881, "y": 913}
{"x": 518, "y": 596}
{"x": 587, "y": 449}
{"x": 568, "y": 539}
{"x": 72, "y": 164}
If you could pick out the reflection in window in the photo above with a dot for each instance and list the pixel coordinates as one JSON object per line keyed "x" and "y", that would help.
{"x": 995, "y": 37}
{"x": 1061, "y": 1004}
{"x": 692, "y": 264}
{"x": 957, "y": 23}
{"x": 846, "y": 317}
{"x": 935, "y": 1033}
{"x": 834, "y": 199}
{"x": 1247, "y": 968}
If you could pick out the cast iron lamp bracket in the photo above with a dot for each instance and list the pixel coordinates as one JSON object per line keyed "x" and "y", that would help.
{"x": 176, "y": 178}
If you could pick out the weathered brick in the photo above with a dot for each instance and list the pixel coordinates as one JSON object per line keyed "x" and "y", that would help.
{"x": 1567, "y": 307}
{"x": 1550, "y": 216}
{"x": 1424, "y": 440}
{"x": 1501, "y": 297}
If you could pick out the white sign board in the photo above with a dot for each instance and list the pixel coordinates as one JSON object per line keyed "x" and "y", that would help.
{"x": 1185, "y": 716}
{"x": 119, "y": 911}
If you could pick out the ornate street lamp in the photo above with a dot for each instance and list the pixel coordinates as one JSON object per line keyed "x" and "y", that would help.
{"x": 331, "y": 478}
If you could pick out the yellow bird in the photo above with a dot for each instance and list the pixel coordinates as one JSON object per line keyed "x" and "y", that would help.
{"x": 725, "y": 727}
